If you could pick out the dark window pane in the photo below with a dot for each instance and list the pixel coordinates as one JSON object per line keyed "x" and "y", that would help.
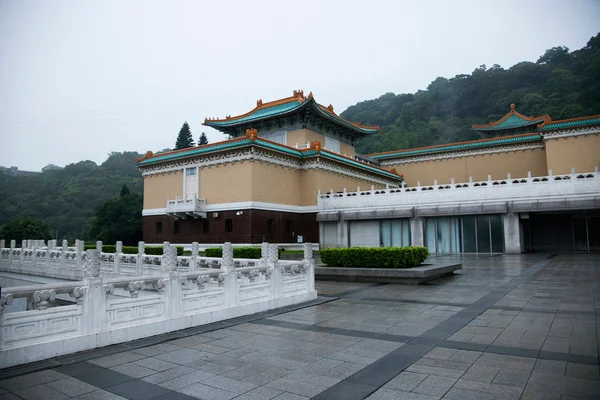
{"x": 483, "y": 233}
{"x": 176, "y": 227}
{"x": 205, "y": 226}
{"x": 469, "y": 234}
{"x": 497, "y": 233}
{"x": 289, "y": 226}
{"x": 594, "y": 233}
{"x": 159, "y": 227}
{"x": 271, "y": 225}
{"x": 228, "y": 225}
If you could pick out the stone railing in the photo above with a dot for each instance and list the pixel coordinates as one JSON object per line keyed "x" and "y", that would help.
{"x": 66, "y": 317}
{"x": 509, "y": 189}
{"x": 35, "y": 257}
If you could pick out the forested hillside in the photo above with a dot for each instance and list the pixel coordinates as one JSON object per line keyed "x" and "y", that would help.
{"x": 561, "y": 83}
{"x": 65, "y": 199}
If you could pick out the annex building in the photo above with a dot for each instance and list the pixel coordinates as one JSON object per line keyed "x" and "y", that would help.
{"x": 290, "y": 173}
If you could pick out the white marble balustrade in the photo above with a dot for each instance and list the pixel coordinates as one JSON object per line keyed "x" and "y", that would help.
{"x": 182, "y": 292}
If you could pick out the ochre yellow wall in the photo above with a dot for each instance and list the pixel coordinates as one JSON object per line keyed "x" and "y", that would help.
{"x": 498, "y": 165}
{"x": 226, "y": 183}
{"x": 158, "y": 187}
{"x": 280, "y": 185}
{"x": 579, "y": 152}
{"x": 251, "y": 181}
{"x": 301, "y": 136}
{"x": 346, "y": 149}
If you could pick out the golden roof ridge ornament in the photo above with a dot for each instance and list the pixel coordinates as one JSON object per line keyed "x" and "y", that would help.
{"x": 252, "y": 134}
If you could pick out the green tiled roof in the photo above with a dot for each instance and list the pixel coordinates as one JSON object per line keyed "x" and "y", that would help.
{"x": 571, "y": 124}
{"x": 282, "y": 109}
{"x": 237, "y": 143}
{"x": 258, "y": 114}
{"x": 459, "y": 146}
{"x": 512, "y": 122}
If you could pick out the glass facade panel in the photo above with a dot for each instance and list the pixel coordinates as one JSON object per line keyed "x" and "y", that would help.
{"x": 483, "y": 234}
{"x": 430, "y": 234}
{"x": 386, "y": 233}
{"x": 469, "y": 235}
{"x": 397, "y": 232}
{"x": 497, "y": 233}
{"x": 405, "y": 232}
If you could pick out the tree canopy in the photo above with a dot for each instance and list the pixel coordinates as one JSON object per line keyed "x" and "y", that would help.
{"x": 202, "y": 140}
{"x": 561, "y": 83}
{"x": 119, "y": 218}
{"x": 24, "y": 228}
{"x": 184, "y": 139}
{"x": 66, "y": 198}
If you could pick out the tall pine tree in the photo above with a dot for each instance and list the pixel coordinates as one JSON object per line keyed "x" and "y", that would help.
{"x": 203, "y": 139}
{"x": 184, "y": 139}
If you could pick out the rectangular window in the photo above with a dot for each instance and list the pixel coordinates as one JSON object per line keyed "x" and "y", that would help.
{"x": 228, "y": 225}
{"x": 271, "y": 225}
{"x": 395, "y": 232}
{"x": 158, "y": 228}
{"x": 288, "y": 224}
{"x": 176, "y": 227}
{"x": 205, "y": 226}
{"x": 191, "y": 183}
{"x": 332, "y": 144}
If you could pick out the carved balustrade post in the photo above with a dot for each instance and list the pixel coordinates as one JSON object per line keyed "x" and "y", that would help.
{"x": 34, "y": 257}
{"x": 139, "y": 263}
{"x": 173, "y": 288}
{"x": 309, "y": 263}
{"x": 79, "y": 252}
{"x": 63, "y": 253}
{"x": 194, "y": 257}
{"x": 118, "y": 254}
{"x": 273, "y": 262}
{"x": 2, "y": 244}
{"x": 99, "y": 245}
{"x": 94, "y": 294}
{"x": 264, "y": 253}
{"x": 23, "y": 247}
{"x": 230, "y": 282}
{"x": 13, "y": 245}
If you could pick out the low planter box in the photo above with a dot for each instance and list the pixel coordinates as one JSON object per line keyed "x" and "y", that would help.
{"x": 415, "y": 276}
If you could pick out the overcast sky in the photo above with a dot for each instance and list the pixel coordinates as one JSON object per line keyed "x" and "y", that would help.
{"x": 79, "y": 79}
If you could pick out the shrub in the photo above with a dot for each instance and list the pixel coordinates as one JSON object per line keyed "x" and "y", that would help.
{"x": 375, "y": 257}
{"x": 149, "y": 250}
{"x": 238, "y": 252}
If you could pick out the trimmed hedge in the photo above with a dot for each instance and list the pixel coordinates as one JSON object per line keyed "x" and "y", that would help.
{"x": 238, "y": 252}
{"x": 149, "y": 250}
{"x": 374, "y": 257}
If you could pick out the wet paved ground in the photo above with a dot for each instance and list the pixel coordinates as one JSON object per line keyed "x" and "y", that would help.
{"x": 507, "y": 327}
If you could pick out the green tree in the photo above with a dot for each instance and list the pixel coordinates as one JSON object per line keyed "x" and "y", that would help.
{"x": 124, "y": 191}
{"x": 184, "y": 139}
{"x": 118, "y": 219}
{"x": 202, "y": 140}
{"x": 24, "y": 228}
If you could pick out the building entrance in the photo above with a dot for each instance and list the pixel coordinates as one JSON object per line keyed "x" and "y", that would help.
{"x": 561, "y": 232}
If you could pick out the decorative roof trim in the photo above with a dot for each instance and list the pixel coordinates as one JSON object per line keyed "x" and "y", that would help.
{"x": 462, "y": 153}
{"x": 493, "y": 125}
{"x": 528, "y": 137}
{"x": 252, "y": 140}
{"x": 569, "y": 123}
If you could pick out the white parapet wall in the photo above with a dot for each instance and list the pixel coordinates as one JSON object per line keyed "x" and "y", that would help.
{"x": 112, "y": 304}
{"x": 524, "y": 194}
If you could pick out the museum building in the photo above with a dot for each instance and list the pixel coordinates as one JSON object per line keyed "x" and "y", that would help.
{"x": 290, "y": 173}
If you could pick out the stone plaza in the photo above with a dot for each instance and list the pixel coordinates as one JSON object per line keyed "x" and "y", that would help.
{"x": 505, "y": 327}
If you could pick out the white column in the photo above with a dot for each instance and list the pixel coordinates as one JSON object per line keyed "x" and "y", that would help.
{"x": 416, "y": 231}
{"x": 512, "y": 233}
